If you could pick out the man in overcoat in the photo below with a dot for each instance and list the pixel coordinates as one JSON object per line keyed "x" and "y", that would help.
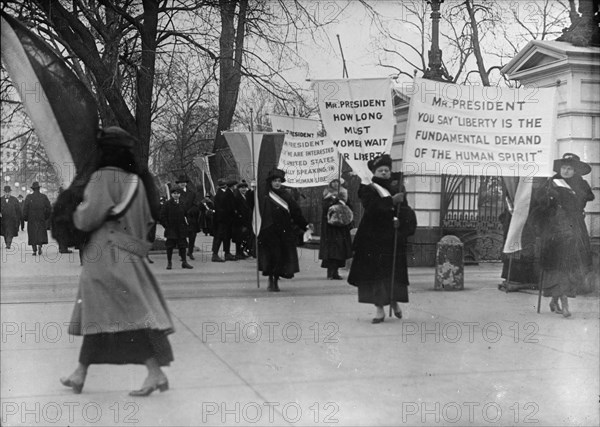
{"x": 36, "y": 211}
{"x": 11, "y": 216}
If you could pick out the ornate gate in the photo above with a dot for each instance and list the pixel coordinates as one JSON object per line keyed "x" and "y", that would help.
{"x": 470, "y": 209}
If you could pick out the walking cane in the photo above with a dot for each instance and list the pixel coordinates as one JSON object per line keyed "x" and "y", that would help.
{"x": 396, "y": 226}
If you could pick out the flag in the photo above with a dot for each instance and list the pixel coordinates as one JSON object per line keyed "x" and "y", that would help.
{"x": 254, "y": 163}
{"x": 63, "y": 111}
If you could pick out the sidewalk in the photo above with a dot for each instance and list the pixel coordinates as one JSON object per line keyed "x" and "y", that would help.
{"x": 305, "y": 356}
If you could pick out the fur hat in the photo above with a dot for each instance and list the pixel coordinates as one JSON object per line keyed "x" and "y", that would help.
{"x": 182, "y": 178}
{"x": 114, "y": 136}
{"x": 573, "y": 160}
{"x": 7, "y": 188}
{"x": 276, "y": 173}
{"x": 35, "y": 185}
{"x": 383, "y": 160}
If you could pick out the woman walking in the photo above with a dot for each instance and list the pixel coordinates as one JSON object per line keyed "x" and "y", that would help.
{"x": 335, "y": 246}
{"x": 566, "y": 255}
{"x": 120, "y": 310}
{"x": 385, "y": 210}
{"x": 280, "y": 216}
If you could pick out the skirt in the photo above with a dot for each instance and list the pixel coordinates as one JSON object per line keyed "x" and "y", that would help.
{"x": 128, "y": 347}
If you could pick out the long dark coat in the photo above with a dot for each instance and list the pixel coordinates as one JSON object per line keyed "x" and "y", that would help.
{"x": 277, "y": 238}
{"x": 173, "y": 219}
{"x": 11, "y": 216}
{"x": 566, "y": 255}
{"x": 373, "y": 246}
{"x": 36, "y": 211}
{"x": 335, "y": 246}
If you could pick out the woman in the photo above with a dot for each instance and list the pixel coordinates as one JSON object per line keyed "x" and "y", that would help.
{"x": 280, "y": 218}
{"x": 120, "y": 310}
{"x": 335, "y": 246}
{"x": 566, "y": 255}
{"x": 385, "y": 209}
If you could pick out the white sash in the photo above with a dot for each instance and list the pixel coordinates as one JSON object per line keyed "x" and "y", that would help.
{"x": 279, "y": 201}
{"x": 380, "y": 190}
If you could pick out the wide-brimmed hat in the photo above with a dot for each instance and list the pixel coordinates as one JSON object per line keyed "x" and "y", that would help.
{"x": 35, "y": 185}
{"x": 573, "y": 160}
{"x": 276, "y": 173}
{"x": 182, "y": 178}
{"x": 7, "y": 188}
{"x": 383, "y": 160}
{"x": 116, "y": 137}
{"x": 221, "y": 182}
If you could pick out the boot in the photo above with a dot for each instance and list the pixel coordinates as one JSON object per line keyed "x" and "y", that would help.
{"x": 554, "y": 307}
{"x": 565, "y": 306}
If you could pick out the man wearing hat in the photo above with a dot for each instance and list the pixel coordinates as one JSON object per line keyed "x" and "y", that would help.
{"x": 566, "y": 256}
{"x": 10, "y": 211}
{"x": 190, "y": 207}
{"x": 223, "y": 221}
{"x": 36, "y": 211}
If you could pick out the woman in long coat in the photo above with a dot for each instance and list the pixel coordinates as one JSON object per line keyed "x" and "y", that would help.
{"x": 36, "y": 211}
{"x": 10, "y": 212}
{"x": 281, "y": 217}
{"x": 566, "y": 255}
{"x": 371, "y": 271}
{"x": 335, "y": 246}
{"x": 120, "y": 310}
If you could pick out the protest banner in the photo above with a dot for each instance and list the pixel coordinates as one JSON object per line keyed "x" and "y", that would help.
{"x": 359, "y": 118}
{"x": 295, "y": 126}
{"x": 478, "y": 130}
{"x": 308, "y": 162}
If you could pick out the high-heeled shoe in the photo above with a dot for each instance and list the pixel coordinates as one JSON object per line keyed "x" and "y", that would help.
{"x": 67, "y": 382}
{"x": 146, "y": 391}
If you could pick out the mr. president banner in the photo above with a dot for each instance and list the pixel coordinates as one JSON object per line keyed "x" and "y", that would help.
{"x": 63, "y": 111}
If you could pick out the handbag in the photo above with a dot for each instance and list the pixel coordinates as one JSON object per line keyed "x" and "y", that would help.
{"x": 339, "y": 215}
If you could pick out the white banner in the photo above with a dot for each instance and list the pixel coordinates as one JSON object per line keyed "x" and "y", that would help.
{"x": 359, "y": 117}
{"x": 479, "y": 130}
{"x": 295, "y": 126}
{"x": 308, "y": 162}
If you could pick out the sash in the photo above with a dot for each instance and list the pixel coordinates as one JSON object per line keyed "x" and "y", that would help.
{"x": 279, "y": 201}
{"x": 381, "y": 190}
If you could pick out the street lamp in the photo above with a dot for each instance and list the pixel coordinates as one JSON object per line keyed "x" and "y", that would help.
{"x": 436, "y": 70}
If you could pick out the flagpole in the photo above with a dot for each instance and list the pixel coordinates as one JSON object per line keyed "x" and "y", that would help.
{"x": 255, "y": 196}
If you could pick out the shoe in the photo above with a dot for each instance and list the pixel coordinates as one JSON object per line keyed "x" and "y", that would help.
{"x": 554, "y": 307}
{"x": 191, "y": 256}
{"x": 216, "y": 258}
{"x": 229, "y": 257}
{"x": 77, "y": 387}
{"x": 185, "y": 264}
{"x": 169, "y": 266}
{"x": 378, "y": 320}
{"x": 146, "y": 391}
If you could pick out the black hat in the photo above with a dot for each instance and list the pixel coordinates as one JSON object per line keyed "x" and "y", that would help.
{"x": 573, "y": 160}
{"x": 276, "y": 173}
{"x": 35, "y": 185}
{"x": 182, "y": 178}
{"x": 7, "y": 188}
{"x": 383, "y": 160}
{"x": 176, "y": 189}
{"x": 222, "y": 182}
{"x": 114, "y": 136}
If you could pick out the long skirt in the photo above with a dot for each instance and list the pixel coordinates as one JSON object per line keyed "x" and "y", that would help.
{"x": 128, "y": 347}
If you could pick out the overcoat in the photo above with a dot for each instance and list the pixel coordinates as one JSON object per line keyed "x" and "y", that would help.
{"x": 174, "y": 220}
{"x": 566, "y": 254}
{"x": 36, "y": 211}
{"x": 373, "y": 246}
{"x": 117, "y": 290}
{"x": 335, "y": 246}
{"x": 277, "y": 239}
{"x": 11, "y": 216}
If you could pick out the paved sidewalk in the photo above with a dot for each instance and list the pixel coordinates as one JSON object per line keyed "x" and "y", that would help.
{"x": 305, "y": 356}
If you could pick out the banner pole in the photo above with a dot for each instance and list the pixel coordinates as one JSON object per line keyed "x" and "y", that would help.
{"x": 255, "y": 195}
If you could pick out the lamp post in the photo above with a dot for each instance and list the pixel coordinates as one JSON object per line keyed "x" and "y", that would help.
{"x": 436, "y": 70}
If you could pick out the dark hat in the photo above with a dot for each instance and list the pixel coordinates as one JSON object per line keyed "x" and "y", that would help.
{"x": 383, "y": 160}
{"x": 573, "y": 160}
{"x": 7, "y": 188}
{"x": 182, "y": 178}
{"x": 242, "y": 184}
{"x": 176, "y": 189}
{"x": 276, "y": 173}
{"x": 35, "y": 185}
{"x": 221, "y": 182}
{"x": 114, "y": 136}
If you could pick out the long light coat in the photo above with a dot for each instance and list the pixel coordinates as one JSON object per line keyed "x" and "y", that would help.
{"x": 117, "y": 290}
